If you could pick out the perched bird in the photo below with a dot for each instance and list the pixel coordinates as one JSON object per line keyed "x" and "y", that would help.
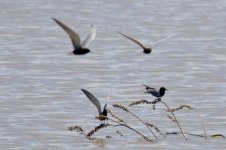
{"x": 96, "y": 102}
{"x": 155, "y": 92}
{"x": 79, "y": 48}
{"x": 145, "y": 49}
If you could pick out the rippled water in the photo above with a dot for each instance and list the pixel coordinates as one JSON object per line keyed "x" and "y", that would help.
{"x": 40, "y": 82}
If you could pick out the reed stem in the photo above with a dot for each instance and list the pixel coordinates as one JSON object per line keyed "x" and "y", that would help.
{"x": 204, "y": 129}
{"x": 175, "y": 119}
{"x": 143, "y": 123}
{"x": 126, "y": 125}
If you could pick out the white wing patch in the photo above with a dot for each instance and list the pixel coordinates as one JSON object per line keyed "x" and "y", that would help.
{"x": 157, "y": 42}
{"x": 91, "y": 36}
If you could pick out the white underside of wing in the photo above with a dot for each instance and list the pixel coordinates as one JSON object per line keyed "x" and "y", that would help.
{"x": 157, "y": 42}
{"x": 91, "y": 36}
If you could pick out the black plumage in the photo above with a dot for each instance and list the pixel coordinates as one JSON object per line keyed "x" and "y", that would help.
{"x": 146, "y": 50}
{"x": 96, "y": 102}
{"x": 156, "y": 93}
{"x": 79, "y": 48}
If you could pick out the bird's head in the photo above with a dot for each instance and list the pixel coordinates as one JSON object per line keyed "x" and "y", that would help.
{"x": 162, "y": 91}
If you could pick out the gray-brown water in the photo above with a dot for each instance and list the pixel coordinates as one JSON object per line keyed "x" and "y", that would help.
{"x": 40, "y": 92}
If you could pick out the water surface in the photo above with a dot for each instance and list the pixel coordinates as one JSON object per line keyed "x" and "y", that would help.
{"x": 40, "y": 82}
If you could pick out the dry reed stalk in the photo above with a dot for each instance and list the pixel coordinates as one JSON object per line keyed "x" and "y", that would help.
{"x": 78, "y": 129}
{"x": 171, "y": 118}
{"x": 153, "y": 126}
{"x": 96, "y": 129}
{"x": 155, "y": 102}
{"x": 120, "y": 107}
{"x": 127, "y": 110}
{"x": 218, "y": 136}
{"x": 143, "y": 123}
{"x": 195, "y": 110}
{"x": 127, "y": 126}
{"x": 118, "y": 132}
{"x": 114, "y": 116}
{"x": 139, "y": 102}
{"x": 180, "y": 107}
{"x": 186, "y": 133}
{"x": 174, "y": 119}
{"x": 156, "y": 129}
{"x": 108, "y": 137}
{"x": 143, "y": 102}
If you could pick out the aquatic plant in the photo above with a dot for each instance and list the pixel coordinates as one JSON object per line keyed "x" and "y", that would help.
{"x": 190, "y": 108}
{"x": 113, "y": 120}
{"x": 96, "y": 129}
{"x": 127, "y": 110}
{"x": 154, "y": 102}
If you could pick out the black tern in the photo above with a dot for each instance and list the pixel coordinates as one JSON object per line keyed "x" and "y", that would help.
{"x": 155, "y": 92}
{"x": 79, "y": 48}
{"x": 96, "y": 102}
{"x": 145, "y": 49}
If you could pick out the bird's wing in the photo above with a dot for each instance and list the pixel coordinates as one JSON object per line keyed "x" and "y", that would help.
{"x": 105, "y": 106}
{"x": 91, "y": 36}
{"x": 75, "y": 39}
{"x": 154, "y": 92}
{"x": 151, "y": 90}
{"x": 148, "y": 87}
{"x": 93, "y": 99}
{"x": 159, "y": 41}
{"x": 132, "y": 39}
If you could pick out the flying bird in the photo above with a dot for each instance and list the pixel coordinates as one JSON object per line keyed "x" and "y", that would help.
{"x": 146, "y": 50}
{"x": 96, "y": 102}
{"x": 79, "y": 48}
{"x": 156, "y": 93}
